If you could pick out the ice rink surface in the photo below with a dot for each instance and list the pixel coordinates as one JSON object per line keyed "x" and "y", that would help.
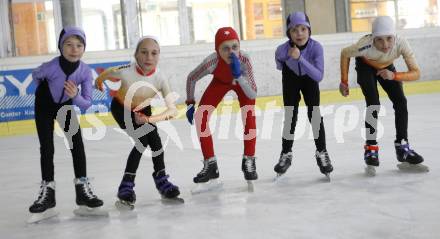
{"x": 301, "y": 205}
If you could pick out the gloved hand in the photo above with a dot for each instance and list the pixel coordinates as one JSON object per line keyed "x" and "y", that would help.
{"x": 344, "y": 89}
{"x": 190, "y": 113}
{"x": 235, "y": 66}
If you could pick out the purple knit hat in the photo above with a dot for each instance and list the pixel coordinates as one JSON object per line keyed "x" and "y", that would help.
{"x": 71, "y": 31}
{"x": 297, "y": 18}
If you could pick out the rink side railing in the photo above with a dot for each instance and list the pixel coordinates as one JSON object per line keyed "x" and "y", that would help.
{"x": 17, "y": 88}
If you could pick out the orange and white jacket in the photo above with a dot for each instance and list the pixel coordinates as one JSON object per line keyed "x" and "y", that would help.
{"x": 365, "y": 49}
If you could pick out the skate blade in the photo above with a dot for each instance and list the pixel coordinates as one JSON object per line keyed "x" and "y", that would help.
{"x": 327, "y": 177}
{"x": 37, "y": 217}
{"x": 250, "y": 186}
{"x": 413, "y": 168}
{"x": 211, "y": 185}
{"x": 85, "y": 211}
{"x": 370, "y": 170}
{"x": 280, "y": 177}
{"x": 122, "y": 205}
{"x": 172, "y": 201}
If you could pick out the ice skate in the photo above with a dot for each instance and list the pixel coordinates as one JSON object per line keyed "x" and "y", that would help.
{"x": 207, "y": 178}
{"x": 168, "y": 191}
{"x": 324, "y": 163}
{"x": 89, "y": 204}
{"x": 249, "y": 170}
{"x": 43, "y": 207}
{"x": 371, "y": 157}
{"x": 283, "y": 164}
{"x": 410, "y": 161}
{"x": 126, "y": 196}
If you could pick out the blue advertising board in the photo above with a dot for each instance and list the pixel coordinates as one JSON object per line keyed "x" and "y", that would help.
{"x": 17, "y": 94}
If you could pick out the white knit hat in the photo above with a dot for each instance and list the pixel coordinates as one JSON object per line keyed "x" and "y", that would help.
{"x": 383, "y": 26}
{"x": 155, "y": 38}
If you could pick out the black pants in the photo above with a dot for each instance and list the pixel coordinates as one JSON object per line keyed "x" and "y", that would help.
{"x": 150, "y": 138}
{"x": 45, "y": 113}
{"x": 292, "y": 86}
{"x": 367, "y": 79}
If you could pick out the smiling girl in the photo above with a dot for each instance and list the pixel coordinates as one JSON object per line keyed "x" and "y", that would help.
{"x": 57, "y": 86}
{"x": 141, "y": 81}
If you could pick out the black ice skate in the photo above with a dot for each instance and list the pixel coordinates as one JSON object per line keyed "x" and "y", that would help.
{"x": 249, "y": 170}
{"x": 207, "y": 179}
{"x": 324, "y": 163}
{"x": 283, "y": 164}
{"x": 209, "y": 171}
{"x": 408, "y": 158}
{"x": 126, "y": 196}
{"x": 371, "y": 157}
{"x": 167, "y": 190}
{"x": 43, "y": 207}
{"x": 88, "y": 202}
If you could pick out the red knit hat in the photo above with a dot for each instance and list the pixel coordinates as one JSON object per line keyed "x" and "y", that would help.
{"x": 225, "y": 34}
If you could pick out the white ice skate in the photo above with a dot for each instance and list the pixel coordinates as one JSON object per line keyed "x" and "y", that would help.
{"x": 85, "y": 211}
{"x": 122, "y": 205}
{"x": 414, "y": 168}
{"x": 370, "y": 170}
{"x": 327, "y": 177}
{"x": 37, "y": 217}
{"x": 211, "y": 185}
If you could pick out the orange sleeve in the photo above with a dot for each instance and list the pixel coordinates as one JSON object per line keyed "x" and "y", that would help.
{"x": 413, "y": 72}
{"x": 345, "y": 64}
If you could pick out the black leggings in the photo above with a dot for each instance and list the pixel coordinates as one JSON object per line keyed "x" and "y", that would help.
{"x": 367, "y": 79}
{"x": 45, "y": 113}
{"x": 292, "y": 86}
{"x": 151, "y": 139}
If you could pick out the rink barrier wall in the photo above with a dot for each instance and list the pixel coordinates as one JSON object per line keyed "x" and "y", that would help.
{"x": 26, "y": 127}
{"x": 17, "y": 88}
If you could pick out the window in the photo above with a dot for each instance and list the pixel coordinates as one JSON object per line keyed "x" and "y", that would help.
{"x": 33, "y": 27}
{"x": 262, "y": 19}
{"x": 422, "y": 14}
{"x": 208, "y": 17}
{"x": 160, "y": 18}
{"x": 405, "y": 12}
{"x": 363, "y": 13}
{"x": 101, "y": 21}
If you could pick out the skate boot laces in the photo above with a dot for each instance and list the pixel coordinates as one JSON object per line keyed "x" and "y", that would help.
{"x": 323, "y": 157}
{"x": 206, "y": 164}
{"x": 86, "y": 187}
{"x": 249, "y": 163}
{"x": 284, "y": 158}
{"x": 42, "y": 194}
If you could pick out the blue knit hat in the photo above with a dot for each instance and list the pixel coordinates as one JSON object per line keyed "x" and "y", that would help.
{"x": 71, "y": 31}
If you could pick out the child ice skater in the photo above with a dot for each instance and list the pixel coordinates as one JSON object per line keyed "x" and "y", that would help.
{"x": 57, "y": 86}
{"x": 374, "y": 55}
{"x": 132, "y": 112}
{"x": 301, "y": 61}
{"x": 232, "y": 70}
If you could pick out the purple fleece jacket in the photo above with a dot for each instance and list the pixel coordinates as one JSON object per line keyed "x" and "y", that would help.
{"x": 55, "y": 77}
{"x": 310, "y": 62}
